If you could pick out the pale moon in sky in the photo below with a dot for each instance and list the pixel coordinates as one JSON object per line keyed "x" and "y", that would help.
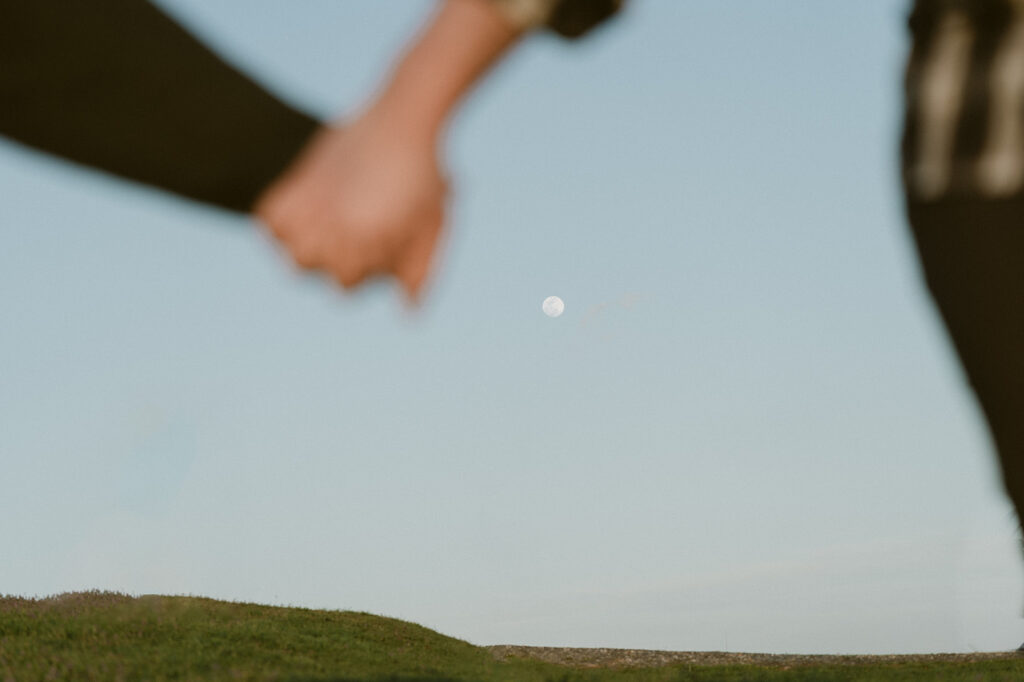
{"x": 552, "y": 306}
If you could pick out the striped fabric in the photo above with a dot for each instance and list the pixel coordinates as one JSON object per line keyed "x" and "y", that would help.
{"x": 964, "y": 97}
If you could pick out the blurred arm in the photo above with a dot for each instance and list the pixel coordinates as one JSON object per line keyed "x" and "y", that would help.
{"x": 462, "y": 42}
{"x": 465, "y": 38}
{"x": 119, "y": 86}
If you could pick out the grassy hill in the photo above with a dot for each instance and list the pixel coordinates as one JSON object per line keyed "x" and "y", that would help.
{"x": 107, "y": 636}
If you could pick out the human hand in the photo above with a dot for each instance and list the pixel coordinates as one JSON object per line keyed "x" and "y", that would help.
{"x": 370, "y": 198}
{"x": 362, "y": 200}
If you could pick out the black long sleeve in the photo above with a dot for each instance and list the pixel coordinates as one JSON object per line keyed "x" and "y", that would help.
{"x": 118, "y": 85}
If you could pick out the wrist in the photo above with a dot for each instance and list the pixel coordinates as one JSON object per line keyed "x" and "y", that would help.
{"x": 409, "y": 108}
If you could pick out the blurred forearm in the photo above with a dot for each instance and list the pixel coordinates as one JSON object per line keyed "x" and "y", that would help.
{"x": 458, "y": 46}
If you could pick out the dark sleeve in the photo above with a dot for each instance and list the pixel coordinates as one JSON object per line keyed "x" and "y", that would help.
{"x": 568, "y": 18}
{"x": 117, "y": 85}
{"x": 573, "y": 18}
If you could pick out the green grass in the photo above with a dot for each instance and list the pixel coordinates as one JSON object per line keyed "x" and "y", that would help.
{"x": 106, "y": 636}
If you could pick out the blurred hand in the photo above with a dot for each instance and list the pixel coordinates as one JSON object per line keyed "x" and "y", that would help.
{"x": 370, "y": 198}
{"x": 362, "y": 200}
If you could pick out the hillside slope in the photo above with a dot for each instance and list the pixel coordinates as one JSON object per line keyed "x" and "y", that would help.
{"x": 109, "y": 636}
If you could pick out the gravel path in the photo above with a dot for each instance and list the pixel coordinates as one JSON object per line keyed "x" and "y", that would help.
{"x": 622, "y": 658}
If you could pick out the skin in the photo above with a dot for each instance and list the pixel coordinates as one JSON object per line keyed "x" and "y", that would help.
{"x": 368, "y": 198}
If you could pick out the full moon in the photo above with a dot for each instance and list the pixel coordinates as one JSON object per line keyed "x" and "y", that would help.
{"x": 552, "y": 306}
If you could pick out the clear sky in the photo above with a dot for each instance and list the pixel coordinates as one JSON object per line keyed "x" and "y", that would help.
{"x": 747, "y": 431}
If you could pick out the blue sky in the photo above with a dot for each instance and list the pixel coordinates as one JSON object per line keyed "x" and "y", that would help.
{"x": 747, "y": 432}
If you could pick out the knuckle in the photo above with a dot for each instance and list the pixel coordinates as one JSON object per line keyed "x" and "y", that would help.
{"x": 345, "y": 274}
{"x": 346, "y": 280}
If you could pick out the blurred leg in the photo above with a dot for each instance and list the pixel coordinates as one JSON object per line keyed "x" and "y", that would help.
{"x": 963, "y": 178}
{"x": 972, "y": 255}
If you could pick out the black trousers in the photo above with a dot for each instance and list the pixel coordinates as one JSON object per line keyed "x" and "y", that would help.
{"x": 972, "y": 254}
